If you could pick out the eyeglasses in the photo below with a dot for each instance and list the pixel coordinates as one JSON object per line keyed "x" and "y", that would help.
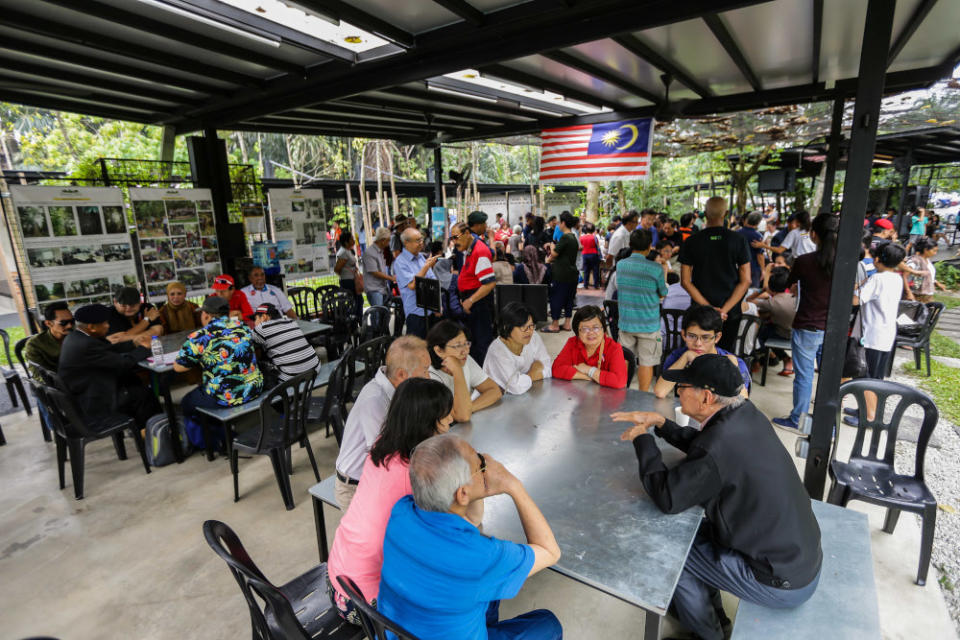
{"x": 697, "y": 339}
{"x": 462, "y": 346}
{"x": 591, "y": 329}
{"x": 483, "y": 464}
{"x": 528, "y": 328}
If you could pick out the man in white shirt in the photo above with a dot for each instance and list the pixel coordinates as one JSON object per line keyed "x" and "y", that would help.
{"x": 621, "y": 237}
{"x": 407, "y": 357}
{"x": 258, "y": 292}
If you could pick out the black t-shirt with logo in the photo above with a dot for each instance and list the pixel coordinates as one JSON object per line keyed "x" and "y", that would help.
{"x": 716, "y": 254}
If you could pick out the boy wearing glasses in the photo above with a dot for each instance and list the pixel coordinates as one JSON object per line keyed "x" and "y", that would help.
{"x": 701, "y": 332}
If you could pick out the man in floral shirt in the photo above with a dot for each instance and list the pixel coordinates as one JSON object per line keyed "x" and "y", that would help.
{"x": 223, "y": 349}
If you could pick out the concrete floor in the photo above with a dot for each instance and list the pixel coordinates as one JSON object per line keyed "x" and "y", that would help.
{"x": 129, "y": 560}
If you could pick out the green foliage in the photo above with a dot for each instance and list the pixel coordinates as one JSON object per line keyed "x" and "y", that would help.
{"x": 941, "y": 345}
{"x": 949, "y": 302}
{"x": 942, "y": 385}
{"x": 16, "y": 334}
{"x": 949, "y": 276}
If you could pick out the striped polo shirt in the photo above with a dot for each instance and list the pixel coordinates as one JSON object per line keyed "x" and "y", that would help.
{"x": 640, "y": 285}
{"x": 285, "y": 346}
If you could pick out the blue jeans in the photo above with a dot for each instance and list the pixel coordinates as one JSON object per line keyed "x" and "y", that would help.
{"x": 533, "y": 625}
{"x": 806, "y": 344}
{"x": 377, "y": 299}
{"x": 709, "y": 568}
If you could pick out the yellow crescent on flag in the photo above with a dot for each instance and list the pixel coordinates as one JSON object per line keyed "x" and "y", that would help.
{"x": 636, "y": 133}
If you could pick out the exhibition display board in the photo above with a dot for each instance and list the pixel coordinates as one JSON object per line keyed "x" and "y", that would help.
{"x": 300, "y": 232}
{"x": 75, "y": 243}
{"x": 178, "y": 239}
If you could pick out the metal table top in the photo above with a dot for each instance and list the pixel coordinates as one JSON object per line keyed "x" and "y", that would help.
{"x": 559, "y": 441}
{"x": 172, "y": 343}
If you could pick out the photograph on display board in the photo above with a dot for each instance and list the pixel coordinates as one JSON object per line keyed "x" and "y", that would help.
{"x": 211, "y": 255}
{"x": 188, "y": 258}
{"x": 151, "y": 218}
{"x": 96, "y": 286}
{"x": 207, "y": 227}
{"x": 90, "y": 224}
{"x": 208, "y": 242}
{"x": 296, "y": 206}
{"x": 33, "y": 222}
{"x": 181, "y": 211}
{"x": 186, "y": 242}
{"x": 211, "y": 271}
{"x": 115, "y": 220}
{"x": 285, "y": 250}
{"x": 82, "y": 254}
{"x": 157, "y": 290}
{"x": 62, "y": 221}
{"x": 204, "y": 205}
{"x": 44, "y": 257}
{"x": 117, "y": 252}
{"x": 314, "y": 209}
{"x": 75, "y": 289}
{"x": 49, "y": 291}
{"x": 192, "y": 278}
{"x": 157, "y": 271}
{"x": 283, "y": 224}
{"x": 155, "y": 250}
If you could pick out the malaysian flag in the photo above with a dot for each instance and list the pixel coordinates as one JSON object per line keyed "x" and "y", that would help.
{"x": 610, "y": 151}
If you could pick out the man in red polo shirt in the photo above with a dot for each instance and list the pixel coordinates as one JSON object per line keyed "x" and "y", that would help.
{"x": 475, "y": 284}
{"x": 223, "y": 286}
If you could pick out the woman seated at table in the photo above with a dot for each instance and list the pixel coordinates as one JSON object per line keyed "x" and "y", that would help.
{"x": 451, "y": 364}
{"x": 590, "y": 354}
{"x": 701, "y": 332}
{"x": 518, "y": 357}
{"x": 178, "y": 313}
{"x": 420, "y": 409}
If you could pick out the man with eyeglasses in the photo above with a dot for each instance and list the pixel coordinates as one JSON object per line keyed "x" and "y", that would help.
{"x": 475, "y": 283}
{"x": 442, "y": 577}
{"x": 43, "y": 349}
{"x": 702, "y": 326}
{"x": 413, "y": 263}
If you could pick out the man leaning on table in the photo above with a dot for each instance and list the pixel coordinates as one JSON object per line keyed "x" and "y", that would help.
{"x": 442, "y": 578}
{"x": 760, "y": 540}
{"x": 407, "y": 357}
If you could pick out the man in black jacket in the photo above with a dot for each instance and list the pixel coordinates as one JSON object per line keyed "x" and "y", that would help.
{"x": 102, "y": 376}
{"x": 760, "y": 540}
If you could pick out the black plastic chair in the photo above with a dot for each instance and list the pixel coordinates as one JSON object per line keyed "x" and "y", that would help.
{"x": 371, "y": 354}
{"x": 3, "y": 440}
{"x": 746, "y": 339}
{"x": 920, "y": 343}
{"x": 375, "y": 624}
{"x": 283, "y": 422}
{"x": 304, "y": 302}
{"x": 611, "y": 308}
{"x": 73, "y": 433}
{"x": 631, "y": 359}
{"x": 395, "y": 304}
{"x": 45, "y": 429}
{"x": 297, "y": 610}
{"x": 871, "y": 477}
{"x": 321, "y": 294}
{"x": 375, "y": 323}
{"x": 338, "y": 313}
{"x": 673, "y": 331}
{"x": 333, "y": 405}
{"x": 12, "y": 378}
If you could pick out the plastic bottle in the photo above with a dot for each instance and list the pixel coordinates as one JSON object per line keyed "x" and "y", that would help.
{"x": 157, "y": 350}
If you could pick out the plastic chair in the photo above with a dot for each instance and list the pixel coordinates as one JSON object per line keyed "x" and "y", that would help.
{"x": 338, "y": 312}
{"x": 73, "y": 433}
{"x": 673, "y": 331}
{"x": 371, "y": 355}
{"x": 321, "y": 294}
{"x": 333, "y": 411}
{"x": 871, "y": 477}
{"x": 45, "y": 429}
{"x": 375, "y": 624}
{"x": 314, "y": 616}
{"x": 304, "y": 302}
{"x": 12, "y": 377}
{"x": 920, "y": 343}
{"x": 395, "y": 304}
{"x": 283, "y": 418}
{"x": 375, "y": 323}
{"x": 631, "y": 359}
{"x": 611, "y": 308}
{"x": 3, "y": 440}
{"x": 744, "y": 347}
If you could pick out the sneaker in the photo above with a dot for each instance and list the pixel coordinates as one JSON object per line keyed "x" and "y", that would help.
{"x": 852, "y": 412}
{"x": 786, "y": 423}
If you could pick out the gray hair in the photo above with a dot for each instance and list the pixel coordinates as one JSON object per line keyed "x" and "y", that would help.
{"x": 729, "y": 402}
{"x": 405, "y": 353}
{"x": 437, "y": 470}
{"x": 408, "y": 233}
{"x": 382, "y": 233}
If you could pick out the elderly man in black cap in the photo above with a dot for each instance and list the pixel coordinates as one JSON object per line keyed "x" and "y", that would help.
{"x": 102, "y": 376}
{"x": 760, "y": 540}
{"x": 282, "y": 342}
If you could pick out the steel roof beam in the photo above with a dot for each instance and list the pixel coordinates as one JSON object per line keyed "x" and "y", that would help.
{"x": 635, "y": 46}
{"x": 467, "y": 88}
{"x": 506, "y": 111}
{"x": 916, "y": 19}
{"x": 516, "y": 76}
{"x": 463, "y": 9}
{"x": 375, "y": 107}
{"x": 601, "y": 73}
{"x": 109, "y": 109}
{"x": 341, "y": 10}
{"x": 817, "y": 39}
{"x": 400, "y": 136}
{"x": 725, "y": 38}
{"x": 80, "y": 94}
{"x": 340, "y": 118}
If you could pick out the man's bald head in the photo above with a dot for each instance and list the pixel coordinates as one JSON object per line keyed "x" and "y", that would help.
{"x": 715, "y": 209}
{"x": 407, "y": 357}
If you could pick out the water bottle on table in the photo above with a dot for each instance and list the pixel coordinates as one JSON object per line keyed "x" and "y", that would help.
{"x": 157, "y": 349}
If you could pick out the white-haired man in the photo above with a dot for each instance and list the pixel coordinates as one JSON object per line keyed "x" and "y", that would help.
{"x": 376, "y": 279}
{"x": 759, "y": 540}
{"x": 412, "y": 263}
{"x": 407, "y": 357}
{"x": 442, "y": 578}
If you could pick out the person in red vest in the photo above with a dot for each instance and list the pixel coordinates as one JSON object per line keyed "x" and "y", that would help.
{"x": 223, "y": 286}
{"x": 475, "y": 283}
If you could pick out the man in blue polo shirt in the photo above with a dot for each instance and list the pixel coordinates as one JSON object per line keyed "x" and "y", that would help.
{"x": 410, "y": 265}
{"x": 442, "y": 578}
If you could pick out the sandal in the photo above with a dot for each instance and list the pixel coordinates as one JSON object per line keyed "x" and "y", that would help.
{"x": 785, "y": 373}
{"x": 549, "y": 330}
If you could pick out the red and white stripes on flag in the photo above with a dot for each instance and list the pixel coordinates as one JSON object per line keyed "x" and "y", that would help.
{"x": 608, "y": 151}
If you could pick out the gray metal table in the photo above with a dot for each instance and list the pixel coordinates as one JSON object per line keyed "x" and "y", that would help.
{"x": 559, "y": 441}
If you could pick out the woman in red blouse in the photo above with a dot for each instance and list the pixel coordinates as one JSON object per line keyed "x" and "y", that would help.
{"x": 591, "y": 354}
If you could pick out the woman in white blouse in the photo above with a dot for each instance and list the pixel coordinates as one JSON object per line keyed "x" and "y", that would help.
{"x": 518, "y": 357}
{"x": 451, "y": 364}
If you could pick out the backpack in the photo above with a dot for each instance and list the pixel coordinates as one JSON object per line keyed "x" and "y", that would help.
{"x": 157, "y": 441}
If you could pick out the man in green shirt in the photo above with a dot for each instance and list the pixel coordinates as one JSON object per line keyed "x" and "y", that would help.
{"x": 44, "y": 349}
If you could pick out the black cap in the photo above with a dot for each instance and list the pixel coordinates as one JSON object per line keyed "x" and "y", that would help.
{"x": 216, "y": 306}
{"x": 710, "y": 371}
{"x": 267, "y": 308}
{"x": 127, "y": 295}
{"x": 476, "y": 217}
{"x": 92, "y": 314}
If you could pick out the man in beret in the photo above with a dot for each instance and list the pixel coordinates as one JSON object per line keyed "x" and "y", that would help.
{"x": 102, "y": 375}
{"x": 759, "y": 539}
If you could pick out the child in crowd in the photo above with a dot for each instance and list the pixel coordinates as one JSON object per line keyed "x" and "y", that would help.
{"x": 923, "y": 280}
{"x": 879, "y": 300}
{"x": 776, "y": 305}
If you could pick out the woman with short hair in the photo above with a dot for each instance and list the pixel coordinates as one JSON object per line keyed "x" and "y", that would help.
{"x": 451, "y": 364}
{"x": 591, "y": 354}
{"x": 518, "y": 357}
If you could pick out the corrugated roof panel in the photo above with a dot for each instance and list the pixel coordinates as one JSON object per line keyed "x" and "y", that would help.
{"x": 611, "y": 56}
{"x": 937, "y": 34}
{"x": 776, "y": 39}
{"x": 414, "y": 16}
{"x": 563, "y": 74}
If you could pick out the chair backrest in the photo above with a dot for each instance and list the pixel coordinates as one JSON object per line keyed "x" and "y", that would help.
{"x": 325, "y": 290}
{"x": 284, "y": 411}
{"x": 375, "y": 323}
{"x": 374, "y": 623}
{"x": 18, "y": 350}
{"x": 672, "y": 330}
{"x": 254, "y": 586}
{"x": 304, "y": 301}
{"x": 66, "y": 416}
{"x": 936, "y": 308}
{"x": 611, "y": 309}
{"x": 372, "y": 354}
{"x": 870, "y": 432}
{"x": 6, "y": 346}
{"x": 334, "y": 406}
{"x": 396, "y": 305}
{"x": 338, "y": 311}
{"x": 631, "y": 359}
{"x": 747, "y": 336}
{"x": 50, "y": 378}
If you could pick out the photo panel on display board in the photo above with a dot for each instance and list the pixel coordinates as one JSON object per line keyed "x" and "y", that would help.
{"x": 300, "y": 231}
{"x": 75, "y": 242}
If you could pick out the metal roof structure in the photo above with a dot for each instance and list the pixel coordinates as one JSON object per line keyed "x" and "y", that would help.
{"x": 446, "y": 70}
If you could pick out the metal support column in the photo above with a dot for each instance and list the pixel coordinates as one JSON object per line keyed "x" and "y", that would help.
{"x": 438, "y": 176}
{"x": 833, "y": 155}
{"x": 904, "y": 164}
{"x": 863, "y": 135}
{"x": 209, "y": 169}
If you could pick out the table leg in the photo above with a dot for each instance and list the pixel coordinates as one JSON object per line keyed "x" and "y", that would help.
{"x": 651, "y": 625}
{"x": 161, "y": 381}
{"x": 321, "y": 525}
